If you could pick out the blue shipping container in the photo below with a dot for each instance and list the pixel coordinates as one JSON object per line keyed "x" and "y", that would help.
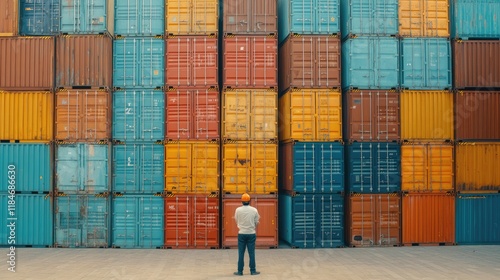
{"x": 82, "y": 168}
{"x": 138, "y": 168}
{"x": 137, "y": 221}
{"x": 33, "y": 224}
{"x": 426, "y": 63}
{"x": 39, "y": 17}
{"x": 372, "y": 17}
{"x": 84, "y": 17}
{"x": 308, "y": 17}
{"x": 478, "y": 219}
{"x": 139, "y": 17}
{"x": 82, "y": 221}
{"x": 138, "y": 63}
{"x": 30, "y": 164}
{"x": 475, "y": 19}
{"x": 370, "y": 63}
{"x": 138, "y": 115}
{"x": 312, "y": 220}
{"x": 373, "y": 167}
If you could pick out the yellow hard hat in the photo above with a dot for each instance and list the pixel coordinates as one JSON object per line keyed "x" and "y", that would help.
{"x": 245, "y": 197}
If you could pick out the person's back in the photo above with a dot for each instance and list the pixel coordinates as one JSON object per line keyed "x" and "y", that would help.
{"x": 247, "y": 218}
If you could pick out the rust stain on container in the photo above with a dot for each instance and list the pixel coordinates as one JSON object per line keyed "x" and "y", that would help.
{"x": 309, "y": 62}
{"x": 250, "y": 17}
{"x": 27, "y": 63}
{"x": 9, "y": 18}
{"x": 477, "y": 115}
{"x": 477, "y": 166}
{"x": 476, "y": 64}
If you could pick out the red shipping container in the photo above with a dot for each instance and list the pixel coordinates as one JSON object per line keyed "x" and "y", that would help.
{"x": 477, "y": 115}
{"x": 476, "y": 64}
{"x": 250, "y": 17}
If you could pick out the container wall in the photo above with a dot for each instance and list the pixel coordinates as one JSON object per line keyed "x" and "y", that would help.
{"x": 137, "y": 221}
{"x": 373, "y": 167}
{"x": 34, "y": 222}
{"x": 250, "y": 17}
{"x": 192, "y": 114}
{"x": 138, "y": 168}
{"x": 249, "y": 115}
{"x": 191, "y": 61}
{"x": 476, "y": 64}
{"x": 474, "y": 19}
{"x": 428, "y": 219}
{"x": 139, "y": 18}
{"x": 426, "y": 63}
{"x": 311, "y": 167}
{"x": 9, "y": 18}
{"x": 426, "y": 115}
{"x": 27, "y": 63}
{"x": 192, "y": 221}
{"x": 477, "y": 166}
{"x": 86, "y": 17}
{"x": 424, "y": 18}
{"x": 478, "y": 219}
{"x": 309, "y": 62}
{"x": 477, "y": 115}
{"x": 192, "y": 17}
{"x": 83, "y": 115}
{"x": 192, "y": 167}
{"x": 39, "y": 17}
{"x": 250, "y": 62}
{"x": 374, "y": 17}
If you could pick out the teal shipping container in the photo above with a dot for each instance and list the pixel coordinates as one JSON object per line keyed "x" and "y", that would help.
{"x": 85, "y": 17}
{"x": 372, "y": 17}
{"x": 29, "y": 223}
{"x": 473, "y": 19}
{"x": 138, "y": 168}
{"x": 28, "y": 165}
{"x": 137, "y": 221}
{"x": 138, "y": 115}
{"x": 39, "y": 17}
{"x": 139, "y": 17}
{"x": 478, "y": 219}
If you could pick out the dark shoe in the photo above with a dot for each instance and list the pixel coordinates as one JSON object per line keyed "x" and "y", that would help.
{"x": 238, "y": 273}
{"x": 255, "y": 273}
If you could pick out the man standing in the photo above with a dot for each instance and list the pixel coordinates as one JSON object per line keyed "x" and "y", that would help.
{"x": 247, "y": 219}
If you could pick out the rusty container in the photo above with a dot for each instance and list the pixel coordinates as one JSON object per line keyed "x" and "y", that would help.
{"x": 477, "y": 166}
{"x": 477, "y": 115}
{"x": 309, "y": 61}
{"x": 250, "y": 17}
{"x": 9, "y": 17}
{"x": 476, "y": 64}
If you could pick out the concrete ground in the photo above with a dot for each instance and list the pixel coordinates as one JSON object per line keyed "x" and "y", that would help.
{"x": 447, "y": 262}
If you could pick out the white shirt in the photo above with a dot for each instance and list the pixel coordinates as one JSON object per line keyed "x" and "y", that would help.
{"x": 247, "y": 218}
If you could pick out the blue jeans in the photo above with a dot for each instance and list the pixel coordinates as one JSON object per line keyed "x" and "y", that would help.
{"x": 244, "y": 241}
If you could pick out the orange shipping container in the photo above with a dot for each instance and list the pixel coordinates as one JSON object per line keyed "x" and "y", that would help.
{"x": 8, "y": 17}
{"x": 191, "y": 17}
{"x": 423, "y": 18}
{"x": 477, "y": 166}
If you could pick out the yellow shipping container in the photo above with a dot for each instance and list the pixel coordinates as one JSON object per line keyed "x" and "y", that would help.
{"x": 423, "y": 18}
{"x": 477, "y": 166}
{"x": 426, "y": 115}
{"x": 250, "y": 167}
{"x": 250, "y": 115}
{"x": 310, "y": 115}
{"x": 8, "y": 17}
{"x": 191, "y": 17}
{"x": 427, "y": 167}
{"x": 26, "y": 116}
{"x": 192, "y": 167}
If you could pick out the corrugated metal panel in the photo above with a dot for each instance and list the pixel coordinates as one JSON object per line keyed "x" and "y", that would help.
{"x": 138, "y": 168}
{"x": 310, "y": 115}
{"x": 370, "y": 63}
{"x": 84, "y": 60}
{"x": 39, "y": 17}
{"x": 139, "y": 17}
{"x": 477, "y": 166}
{"x": 34, "y": 222}
{"x": 31, "y": 166}
{"x": 424, "y": 18}
{"x": 428, "y": 218}
{"x": 26, "y": 116}
{"x": 138, "y": 115}
{"x": 250, "y": 17}
{"x": 309, "y": 62}
{"x": 426, "y": 63}
{"x": 311, "y": 167}
{"x": 475, "y": 19}
{"x": 476, "y": 64}
{"x": 192, "y": 114}
{"x": 373, "y": 220}
{"x": 192, "y": 167}
{"x": 267, "y": 230}
{"x": 192, "y": 17}
{"x": 83, "y": 115}
{"x": 477, "y": 115}
{"x": 138, "y": 63}
{"x": 426, "y": 115}
{"x": 27, "y": 63}
{"x": 373, "y": 167}
{"x": 478, "y": 219}
{"x": 312, "y": 220}
{"x": 308, "y": 17}
{"x": 191, "y": 61}
{"x": 249, "y": 115}
{"x": 137, "y": 221}
{"x": 86, "y": 17}
{"x": 192, "y": 221}
{"x": 9, "y": 18}
{"x": 81, "y": 168}
{"x": 427, "y": 167}
{"x": 250, "y": 166}
{"x": 373, "y": 17}
{"x": 81, "y": 221}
